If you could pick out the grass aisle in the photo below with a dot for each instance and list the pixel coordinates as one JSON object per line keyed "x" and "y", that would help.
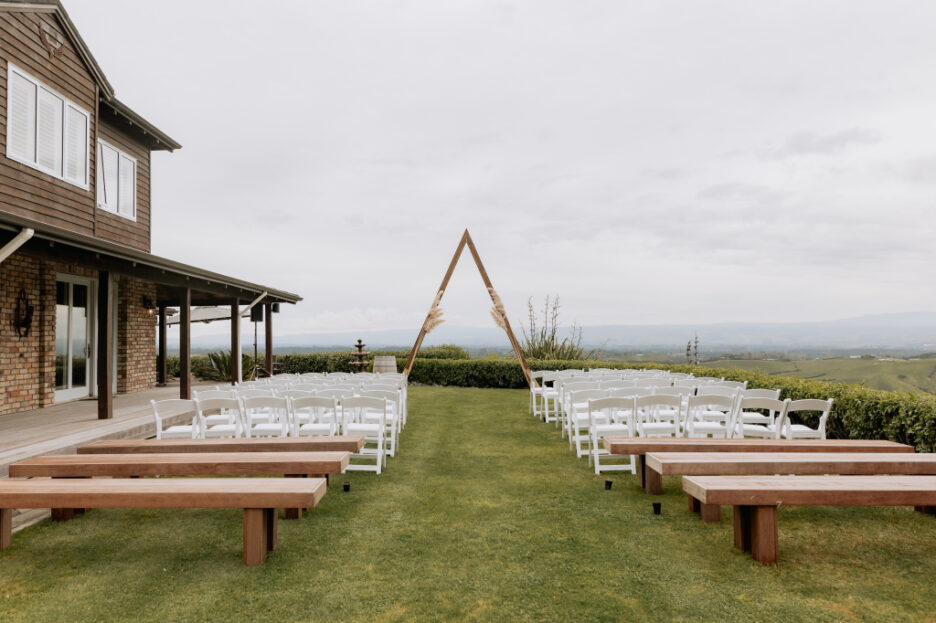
{"x": 483, "y": 515}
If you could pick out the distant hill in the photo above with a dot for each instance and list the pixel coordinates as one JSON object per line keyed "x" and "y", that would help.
{"x": 914, "y": 331}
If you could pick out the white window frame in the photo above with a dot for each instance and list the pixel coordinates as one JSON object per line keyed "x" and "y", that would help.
{"x": 115, "y": 209}
{"x": 67, "y": 103}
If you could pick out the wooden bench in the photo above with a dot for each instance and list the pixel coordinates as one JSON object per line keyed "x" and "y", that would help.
{"x": 291, "y": 464}
{"x": 756, "y": 498}
{"x": 661, "y": 464}
{"x": 348, "y": 443}
{"x": 259, "y": 497}
{"x": 640, "y": 446}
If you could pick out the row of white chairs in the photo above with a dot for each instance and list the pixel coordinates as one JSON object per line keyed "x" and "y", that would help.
{"x": 375, "y": 417}
{"x": 657, "y": 404}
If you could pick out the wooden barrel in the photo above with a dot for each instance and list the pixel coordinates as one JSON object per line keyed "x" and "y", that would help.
{"x": 384, "y": 364}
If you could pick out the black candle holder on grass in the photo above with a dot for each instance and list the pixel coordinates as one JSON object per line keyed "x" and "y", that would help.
{"x": 657, "y": 508}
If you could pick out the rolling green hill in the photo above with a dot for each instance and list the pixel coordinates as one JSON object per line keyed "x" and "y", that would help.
{"x": 900, "y": 375}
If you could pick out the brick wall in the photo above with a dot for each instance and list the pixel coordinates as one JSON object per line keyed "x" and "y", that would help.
{"x": 27, "y": 363}
{"x": 136, "y": 336}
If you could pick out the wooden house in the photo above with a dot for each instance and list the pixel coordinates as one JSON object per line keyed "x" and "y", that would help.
{"x": 81, "y": 296}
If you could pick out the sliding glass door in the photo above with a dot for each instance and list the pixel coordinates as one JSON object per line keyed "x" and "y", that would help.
{"x": 74, "y": 331}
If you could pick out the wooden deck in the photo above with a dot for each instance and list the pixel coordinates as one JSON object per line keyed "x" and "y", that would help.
{"x": 60, "y": 429}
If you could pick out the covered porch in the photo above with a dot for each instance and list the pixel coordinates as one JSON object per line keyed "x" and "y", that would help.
{"x": 61, "y": 428}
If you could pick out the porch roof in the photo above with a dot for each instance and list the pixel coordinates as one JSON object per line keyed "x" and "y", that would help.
{"x": 171, "y": 277}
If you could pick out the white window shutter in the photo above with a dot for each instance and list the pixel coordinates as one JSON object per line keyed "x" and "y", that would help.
{"x": 76, "y": 145}
{"x": 127, "y": 187}
{"x": 49, "y": 136}
{"x": 21, "y": 122}
{"x": 107, "y": 177}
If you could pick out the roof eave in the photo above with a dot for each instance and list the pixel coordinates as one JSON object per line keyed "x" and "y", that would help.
{"x": 55, "y": 234}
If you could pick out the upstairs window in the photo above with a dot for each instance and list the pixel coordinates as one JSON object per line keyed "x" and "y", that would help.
{"x": 45, "y": 130}
{"x": 116, "y": 181}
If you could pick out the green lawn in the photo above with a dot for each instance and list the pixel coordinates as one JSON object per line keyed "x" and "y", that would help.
{"x": 484, "y": 515}
{"x": 901, "y": 375}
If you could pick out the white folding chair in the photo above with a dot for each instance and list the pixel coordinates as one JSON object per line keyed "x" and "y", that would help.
{"x": 367, "y": 417}
{"x": 266, "y": 416}
{"x": 603, "y": 413}
{"x": 393, "y": 417}
{"x": 801, "y": 431}
{"x": 761, "y": 425}
{"x": 700, "y": 420}
{"x": 313, "y": 415}
{"x": 577, "y": 421}
{"x": 230, "y": 408}
{"x": 647, "y": 412}
{"x": 174, "y": 407}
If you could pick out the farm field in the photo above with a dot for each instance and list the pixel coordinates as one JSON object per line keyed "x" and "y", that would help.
{"x": 484, "y": 515}
{"x": 901, "y": 375}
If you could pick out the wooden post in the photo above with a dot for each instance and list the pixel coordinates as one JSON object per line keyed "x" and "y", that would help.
{"x": 510, "y": 334}
{"x": 185, "y": 345}
{"x": 162, "y": 362}
{"x": 236, "y": 372}
{"x": 105, "y": 345}
{"x": 268, "y": 330}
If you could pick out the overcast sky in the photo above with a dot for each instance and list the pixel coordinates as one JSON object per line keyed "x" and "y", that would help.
{"x": 652, "y": 162}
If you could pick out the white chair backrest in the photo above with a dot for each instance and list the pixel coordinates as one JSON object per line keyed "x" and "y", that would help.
{"x": 294, "y": 393}
{"x": 611, "y": 405}
{"x": 651, "y": 382}
{"x": 372, "y": 387}
{"x": 716, "y": 390}
{"x": 824, "y": 407}
{"x": 213, "y": 393}
{"x": 254, "y": 393}
{"x": 210, "y": 404}
{"x": 761, "y": 393}
{"x": 357, "y": 407}
{"x": 265, "y": 402}
{"x": 631, "y": 392}
{"x": 756, "y": 403}
{"x": 172, "y": 406}
{"x": 331, "y": 392}
{"x": 737, "y": 384}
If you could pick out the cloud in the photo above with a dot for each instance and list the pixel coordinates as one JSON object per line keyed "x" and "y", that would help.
{"x": 815, "y": 144}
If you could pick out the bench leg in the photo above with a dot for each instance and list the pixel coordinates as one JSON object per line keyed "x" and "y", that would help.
{"x": 642, "y": 470}
{"x": 742, "y": 527}
{"x": 271, "y": 528}
{"x": 764, "y": 535}
{"x": 695, "y": 505}
{"x": 755, "y": 530}
{"x": 6, "y": 527}
{"x": 711, "y": 513}
{"x": 62, "y": 514}
{"x": 927, "y": 510}
{"x": 653, "y": 482}
{"x": 255, "y": 536}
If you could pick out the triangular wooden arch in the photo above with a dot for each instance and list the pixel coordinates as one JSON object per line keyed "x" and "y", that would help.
{"x": 466, "y": 240}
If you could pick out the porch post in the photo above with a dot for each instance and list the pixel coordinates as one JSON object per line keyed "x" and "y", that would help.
{"x": 105, "y": 346}
{"x": 236, "y": 372}
{"x": 185, "y": 345}
{"x": 162, "y": 364}
{"x": 268, "y": 326}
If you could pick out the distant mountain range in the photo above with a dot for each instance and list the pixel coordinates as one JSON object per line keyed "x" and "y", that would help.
{"x": 914, "y": 330}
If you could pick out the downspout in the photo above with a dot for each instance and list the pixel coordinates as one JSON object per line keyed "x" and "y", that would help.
{"x": 19, "y": 240}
